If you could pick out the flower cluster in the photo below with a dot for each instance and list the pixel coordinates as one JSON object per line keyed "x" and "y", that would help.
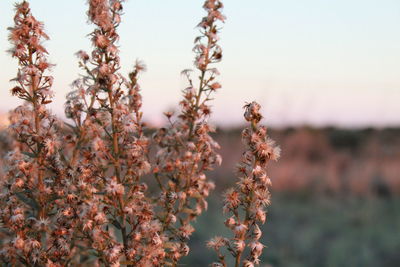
{"x": 75, "y": 193}
{"x": 185, "y": 149}
{"x": 109, "y": 153}
{"x": 32, "y": 189}
{"x": 246, "y": 202}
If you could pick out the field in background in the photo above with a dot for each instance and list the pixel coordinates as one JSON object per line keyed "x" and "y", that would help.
{"x": 336, "y": 198}
{"x": 325, "y": 161}
{"x": 316, "y": 231}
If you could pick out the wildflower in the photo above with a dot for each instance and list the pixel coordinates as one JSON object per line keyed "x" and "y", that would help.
{"x": 156, "y": 239}
{"x": 251, "y": 195}
{"x": 100, "y": 218}
{"x": 186, "y": 230}
{"x": 232, "y": 198}
{"x": 114, "y": 188}
{"x": 101, "y": 41}
{"x": 257, "y": 232}
{"x": 230, "y": 222}
{"x": 185, "y": 148}
{"x": 88, "y": 225}
{"x": 252, "y": 112}
{"x": 104, "y": 69}
{"x": 16, "y": 218}
{"x": 261, "y": 216}
{"x": 216, "y": 242}
{"x": 184, "y": 250}
{"x": 19, "y": 242}
{"x": 240, "y": 229}
{"x": 113, "y": 253}
{"x": 75, "y": 206}
{"x": 34, "y": 244}
{"x": 50, "y": 146}
{"x": 82, "y": 55}
{"x": 19, "y": 182}
{"x": 42, "y": 223}
{"x": 258, "y": 170}
{"x": 239, "y": 245}
{"x": 36, "y": 137}
{"x": 215, "y": 86}
{"x": 256, "y": 248}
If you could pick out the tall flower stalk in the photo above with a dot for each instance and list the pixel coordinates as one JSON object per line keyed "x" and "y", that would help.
{"x": 109, "y": 150}
{"x": 185, "y": 149}
{"x": 246, "y": 203}
{"x": 32, "y": 211}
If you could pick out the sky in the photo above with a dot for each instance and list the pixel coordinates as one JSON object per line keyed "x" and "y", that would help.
{"x": 313, "y": 62}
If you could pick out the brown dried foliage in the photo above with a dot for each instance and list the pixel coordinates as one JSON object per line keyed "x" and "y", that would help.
{"x": 81, "y": 198}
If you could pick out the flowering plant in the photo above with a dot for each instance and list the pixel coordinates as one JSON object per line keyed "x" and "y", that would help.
{"x": 246, "y": 203}
{"x": 74, "y": 193}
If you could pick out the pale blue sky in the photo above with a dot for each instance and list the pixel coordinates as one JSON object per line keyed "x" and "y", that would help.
{"x": 310, "y": 61}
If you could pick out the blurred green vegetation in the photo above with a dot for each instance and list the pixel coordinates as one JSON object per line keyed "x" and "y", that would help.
{"x": 313, "y": 231}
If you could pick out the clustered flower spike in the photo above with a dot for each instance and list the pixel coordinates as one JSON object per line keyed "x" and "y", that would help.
{"x": 27, "y": 36}
{"x": 109, "y": 154}
{"x": 246, "y": 203}
{"x": 185, "y": 149}
{"x": 32, "y": 189}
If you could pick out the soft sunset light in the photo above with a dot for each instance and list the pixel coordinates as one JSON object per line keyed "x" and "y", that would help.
{"x": 307, "y": 62}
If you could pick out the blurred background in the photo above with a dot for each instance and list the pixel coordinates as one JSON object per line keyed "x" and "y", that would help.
{"x": 327, "y": 76}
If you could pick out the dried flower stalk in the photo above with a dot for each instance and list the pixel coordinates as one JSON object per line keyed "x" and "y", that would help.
{"x": 32, "y": 208}
{"x": 109, "y": 152}
{"x": 185, "y": 149}
{"x": 246, "y": 202}
{"x": 75, "y": 195}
